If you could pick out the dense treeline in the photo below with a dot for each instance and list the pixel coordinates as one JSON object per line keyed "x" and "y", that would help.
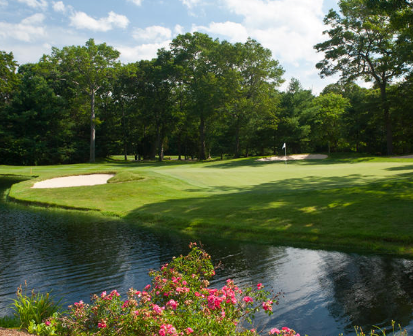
{"x": 203, "y": 97}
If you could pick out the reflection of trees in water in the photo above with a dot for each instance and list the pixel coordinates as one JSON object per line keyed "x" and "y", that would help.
{"x": 369, "y": 290}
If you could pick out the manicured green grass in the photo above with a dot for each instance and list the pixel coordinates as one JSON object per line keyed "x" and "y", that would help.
{"x": 341, "y": 203}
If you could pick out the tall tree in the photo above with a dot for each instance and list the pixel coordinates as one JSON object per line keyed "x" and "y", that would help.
{"x": 362, "y": 44}
{"x": 89, "y": 67}
{"x": 329, "y": 109}
{"x": 253, "y": 77}
{"x": 196, "y": 56}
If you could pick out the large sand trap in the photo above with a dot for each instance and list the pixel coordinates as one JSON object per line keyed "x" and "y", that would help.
{"x": 295, "y": 157}
{"x": 74, "y": 181}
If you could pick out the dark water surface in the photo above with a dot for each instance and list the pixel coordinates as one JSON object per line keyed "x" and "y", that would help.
{"x": 75, "y": 255}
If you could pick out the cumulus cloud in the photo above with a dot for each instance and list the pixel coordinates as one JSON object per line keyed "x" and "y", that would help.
{"x": 290, "y": 28}
{"x": 141, "y": 52}
{"x": 154, "y": 33}
{"x": 81, "y": 20}
{"x": 178, "y": 30}
{"x": 190, "y": 3}
{"x": 28, "y": 30}
{"x": 42, "y": 4}
{"x": 233, "y": 31}
{"x": 60, "y": 7}
{"x": 136, "y": 2}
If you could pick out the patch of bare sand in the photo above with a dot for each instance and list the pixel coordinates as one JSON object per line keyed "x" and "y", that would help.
{"x": 73, "y": 181}
{"x": 295, "y": 157}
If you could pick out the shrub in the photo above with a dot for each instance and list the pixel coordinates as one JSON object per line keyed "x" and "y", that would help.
{"x": 179, "y": 301}
{"x": 34, "y": 307}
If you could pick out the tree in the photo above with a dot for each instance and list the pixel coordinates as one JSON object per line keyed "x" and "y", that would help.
{"x": 89, "y": 67}
{"x": 8, "y": 77}
{"x": 196, "y": 57}
{"x": 251, "y": 77}
{"x": 363, "y": 44}
{"x": 329, "y": 107}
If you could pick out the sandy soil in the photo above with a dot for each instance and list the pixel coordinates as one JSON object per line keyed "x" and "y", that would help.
{"x": 12, "y": 332}
{"x": 295, "y": 157}
{"x": 74, "y": 181}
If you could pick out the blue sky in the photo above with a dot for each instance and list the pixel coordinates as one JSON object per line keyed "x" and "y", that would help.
{"x": 138, "y": 28}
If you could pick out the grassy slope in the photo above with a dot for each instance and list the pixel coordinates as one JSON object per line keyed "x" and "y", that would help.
{"x": 354, "y": 203}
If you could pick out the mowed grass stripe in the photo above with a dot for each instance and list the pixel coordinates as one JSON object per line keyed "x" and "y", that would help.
{"x": 352, "y": 204}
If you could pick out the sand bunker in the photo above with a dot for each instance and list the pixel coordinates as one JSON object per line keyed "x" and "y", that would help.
{"x": 74, "y": 181}
{"x": 295, "y": 157}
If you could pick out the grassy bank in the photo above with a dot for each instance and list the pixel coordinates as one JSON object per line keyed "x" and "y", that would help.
{"x": 360, "y": 203}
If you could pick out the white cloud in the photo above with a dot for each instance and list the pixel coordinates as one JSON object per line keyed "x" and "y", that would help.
{"x": 81, "y": 20}
{"x": 236, "y": 32}
{"x": 154, "y": 34}
{"x": 290, "y": 28}
{"x": 59, "y": 7}
{"x": 28, "y": 30}
{"x": 178, "y": 30}
{"x": 136, "y": 2}
{"x": 35, "y": 3}
{"x": 3, "y": 3}
{"x": 190, "y": 3}
{"x": 141, "y": 52}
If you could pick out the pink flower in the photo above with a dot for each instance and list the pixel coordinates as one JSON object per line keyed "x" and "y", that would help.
{"x": 285, "y": 329}
{"x": 274, "y": 331}
{"x": 248, "y": 299}
{"x": 102, "y": 324}
{"x": 260, "y": 286}
{"x": 47, "y": 323}
{"x": 267, "y": 305}
{"x": 158, "y": 310}
{"x": 147, "y": 287}
{"x": 103, "y": 294}
{"x": 189, "y": 330}
{"x": 173, "y": 304}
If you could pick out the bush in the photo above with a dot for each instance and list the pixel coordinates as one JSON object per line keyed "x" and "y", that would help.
{"x": 34, "y": 307}
{"x": 179, "y": 301}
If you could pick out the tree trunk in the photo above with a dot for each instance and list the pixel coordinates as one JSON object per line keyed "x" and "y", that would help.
{"x": 387, "y": 119}
{"x": 202, "y": 145}
{"x": 92, "y": 127}
{"x": 237, "y": 139}
{"x": 159, "y": 143}
{"x": 125, "y": 145}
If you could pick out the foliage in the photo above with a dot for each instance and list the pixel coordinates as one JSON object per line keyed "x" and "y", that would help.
{"x": 178, "y": 302}
{"x": 378, "y": 331}
{"x": 33, "y": 307}
{"x": 9, "y": 322}
{"x": 363, "y": 44}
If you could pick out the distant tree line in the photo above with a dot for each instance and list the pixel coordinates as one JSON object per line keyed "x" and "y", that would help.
{"x": 203, "y": 97}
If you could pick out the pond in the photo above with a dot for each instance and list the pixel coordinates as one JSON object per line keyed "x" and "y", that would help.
{"x": 75, "y": 255}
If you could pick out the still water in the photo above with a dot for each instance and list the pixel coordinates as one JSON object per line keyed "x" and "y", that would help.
{"x": 325, "y": 293}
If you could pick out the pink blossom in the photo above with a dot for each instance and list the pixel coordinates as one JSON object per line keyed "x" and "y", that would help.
{"x": 158, "y": 310}
{"x": 103, "y": 294}
{"x": 274, "y": 331}
{"x": 248, "y": 299}
{"x": 189, "y": 330}
{"x": 147, "y": 287}
{"x": 267, "y": 305}
{"x": 47, "y": 323}
{"x": 260, "y": 286}
{"x": 285, "y": 329}
{"x": 173, "y": 304}
{"x": 102, "y": 324}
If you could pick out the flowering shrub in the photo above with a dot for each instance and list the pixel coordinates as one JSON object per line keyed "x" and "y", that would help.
{"x": 179, "y": 301}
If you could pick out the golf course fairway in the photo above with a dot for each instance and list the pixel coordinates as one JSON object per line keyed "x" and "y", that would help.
{"x": 356, "y": 204}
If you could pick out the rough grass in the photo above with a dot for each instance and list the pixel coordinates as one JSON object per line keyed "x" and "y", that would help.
{"x": 341, "y": 203}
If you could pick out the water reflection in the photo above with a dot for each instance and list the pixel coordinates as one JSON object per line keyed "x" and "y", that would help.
{"x": 75, "y": 255}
